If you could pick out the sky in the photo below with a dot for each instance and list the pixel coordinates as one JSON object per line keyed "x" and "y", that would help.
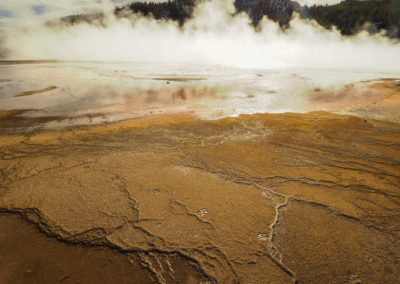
{"x": 321, "y": 2}
{"x": 19, "y": 13}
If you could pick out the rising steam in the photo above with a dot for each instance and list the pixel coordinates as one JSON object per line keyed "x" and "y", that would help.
{"x": 213, "y": 36}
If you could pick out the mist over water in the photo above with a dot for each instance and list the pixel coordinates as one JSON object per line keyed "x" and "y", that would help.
{"x": 213, "y": 36}
{"x": 216, "y": 65}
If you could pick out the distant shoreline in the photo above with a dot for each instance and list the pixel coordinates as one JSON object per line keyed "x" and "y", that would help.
{"x": 13, "y": 62}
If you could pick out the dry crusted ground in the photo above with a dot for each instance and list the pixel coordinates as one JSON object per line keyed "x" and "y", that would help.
{"x": 282, "y": 198}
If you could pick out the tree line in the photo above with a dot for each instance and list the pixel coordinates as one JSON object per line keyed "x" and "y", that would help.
{"x": 349, "y": 16}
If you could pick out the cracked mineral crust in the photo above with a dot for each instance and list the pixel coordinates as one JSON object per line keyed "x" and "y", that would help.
{"x": 263, "y": 198}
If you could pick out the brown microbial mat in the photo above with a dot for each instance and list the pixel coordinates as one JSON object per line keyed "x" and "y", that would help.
{"x": 150, "y": 197}
{"x": 29, "y": 256}
{"x": 264, "y": 198}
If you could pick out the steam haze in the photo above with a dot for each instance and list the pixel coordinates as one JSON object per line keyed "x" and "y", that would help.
{"x": 213, "y": 37}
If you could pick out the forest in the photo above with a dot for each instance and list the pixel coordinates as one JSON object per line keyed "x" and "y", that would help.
{"x": 351, "y": 15}
{"x": 178, "y": 10}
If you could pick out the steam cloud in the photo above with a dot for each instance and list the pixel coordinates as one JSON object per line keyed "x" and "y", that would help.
{"x": 213, "y": 36}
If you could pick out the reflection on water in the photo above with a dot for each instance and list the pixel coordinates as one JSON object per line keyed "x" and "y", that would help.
{"x": 87, "y": 92}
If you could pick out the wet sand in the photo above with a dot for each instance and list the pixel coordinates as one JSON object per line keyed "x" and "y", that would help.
{"x": 261, "y": 198}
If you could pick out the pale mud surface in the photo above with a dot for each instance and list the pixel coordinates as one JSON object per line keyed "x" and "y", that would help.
{"x": 65, "y": 94}
{"x": 259, "y": 198}
{"x": 377, "y": 99}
